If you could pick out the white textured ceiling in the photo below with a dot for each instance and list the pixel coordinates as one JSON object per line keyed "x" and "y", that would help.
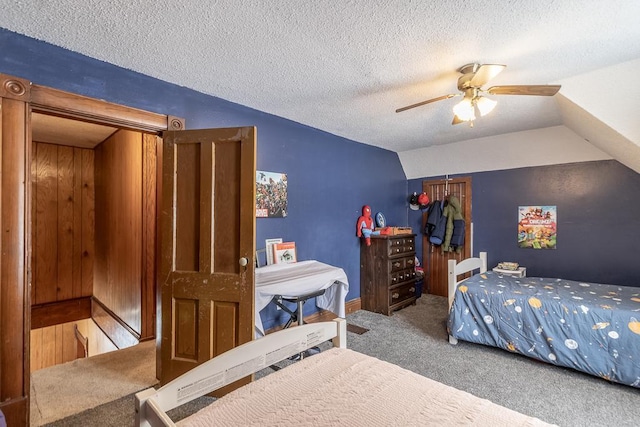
{"x": 345, "y": 66}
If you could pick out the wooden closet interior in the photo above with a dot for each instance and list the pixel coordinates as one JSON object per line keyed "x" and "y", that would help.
{"x": 93, "y": 219}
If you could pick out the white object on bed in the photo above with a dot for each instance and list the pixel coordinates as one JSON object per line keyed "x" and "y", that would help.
{"x": 300, "y": 278}
{"x": 237, "y": 363}
{"x": 341, "y": 387}
{"x": 457, "y": 268}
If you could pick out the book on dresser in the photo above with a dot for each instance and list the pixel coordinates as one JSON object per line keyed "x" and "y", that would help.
{"x": 387, "y": 273}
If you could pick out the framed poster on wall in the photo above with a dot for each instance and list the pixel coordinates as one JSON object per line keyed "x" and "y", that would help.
{"x": 537, "y": 227}
{"x": 271, "y": 194}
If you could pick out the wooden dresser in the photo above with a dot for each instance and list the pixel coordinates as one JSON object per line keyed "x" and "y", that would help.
{"x": 387, "y": 273}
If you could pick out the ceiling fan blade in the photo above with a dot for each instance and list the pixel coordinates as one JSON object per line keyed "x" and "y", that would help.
{"x": 540, "y": 90}
{"x": 429, "y": 101}
{"x": 485, "y": 73}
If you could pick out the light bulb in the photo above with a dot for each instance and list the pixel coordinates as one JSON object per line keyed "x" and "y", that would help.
{"x": 464, "y": 110}
{"x": 485, "y": 105}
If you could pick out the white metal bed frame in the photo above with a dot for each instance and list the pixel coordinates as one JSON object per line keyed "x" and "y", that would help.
{"x": 239, "y": 362}
{"x": 457, "y": 268}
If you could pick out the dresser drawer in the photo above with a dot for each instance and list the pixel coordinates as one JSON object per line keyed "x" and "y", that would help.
{"x": 402, "y": 293}
{"x": 401, "y": 245}
{"x": 401, "y": 276}
{"x": 410, "y": 262}
{"x": 409, "y": 244}
{"x": 396, "y": 246}
{"x": 397, "y": 264}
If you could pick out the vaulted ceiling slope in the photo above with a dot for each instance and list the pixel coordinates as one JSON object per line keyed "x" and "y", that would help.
{"x": 345, "y": 67}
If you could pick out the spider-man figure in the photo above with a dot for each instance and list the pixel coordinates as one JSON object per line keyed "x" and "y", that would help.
{"x": 365, "y": 226}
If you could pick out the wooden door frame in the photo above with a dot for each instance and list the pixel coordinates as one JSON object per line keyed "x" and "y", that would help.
{"x": 15, "y": 322}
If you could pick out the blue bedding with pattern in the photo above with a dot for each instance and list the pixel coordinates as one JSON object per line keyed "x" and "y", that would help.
{"x": 590, "y": 327}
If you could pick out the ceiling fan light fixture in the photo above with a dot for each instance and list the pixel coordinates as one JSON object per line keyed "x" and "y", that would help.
{"x": 485, "y": 105}
{"x": 470, "y": 84}
{"x": 464, "y": 110}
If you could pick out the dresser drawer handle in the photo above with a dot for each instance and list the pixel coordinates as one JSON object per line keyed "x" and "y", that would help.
{"x": 396, "y": 264}
{"x": 395, "y": 295}
{"x": 412, "y": 289}
{"x": 410, "y": 248}
{"x": 410, "y": 261}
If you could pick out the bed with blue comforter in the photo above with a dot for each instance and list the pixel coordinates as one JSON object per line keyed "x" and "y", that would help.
{"x": 590, "y": 327}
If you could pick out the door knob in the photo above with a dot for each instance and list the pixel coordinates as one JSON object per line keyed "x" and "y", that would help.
{"x": 243, "y": 261}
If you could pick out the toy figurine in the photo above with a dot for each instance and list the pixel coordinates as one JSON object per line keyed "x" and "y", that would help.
{"x": 365, "y": 226}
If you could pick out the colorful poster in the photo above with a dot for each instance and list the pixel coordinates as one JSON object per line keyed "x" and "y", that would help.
{"x": 271, "y": 194}
{"x": 537, "y": 227}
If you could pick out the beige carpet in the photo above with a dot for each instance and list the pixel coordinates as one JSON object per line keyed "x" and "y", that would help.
{"x": 70, "y": 388}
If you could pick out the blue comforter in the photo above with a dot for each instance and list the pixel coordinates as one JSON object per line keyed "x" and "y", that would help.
{"x": 590, "y": 327}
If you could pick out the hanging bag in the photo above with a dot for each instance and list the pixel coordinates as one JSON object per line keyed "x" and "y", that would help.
{"x": 436, "y": 223}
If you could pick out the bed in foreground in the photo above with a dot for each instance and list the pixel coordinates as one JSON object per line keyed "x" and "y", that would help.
{"x": 336, "y": 387}
{"x": 589, "y": 327}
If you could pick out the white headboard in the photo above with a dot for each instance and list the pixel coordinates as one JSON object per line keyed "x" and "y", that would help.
{"x": 457, "y": 268}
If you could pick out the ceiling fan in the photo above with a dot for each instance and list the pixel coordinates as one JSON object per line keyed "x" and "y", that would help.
{"x": 470, "y": 83}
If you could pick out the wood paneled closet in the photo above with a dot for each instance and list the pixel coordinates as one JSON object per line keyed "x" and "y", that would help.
{"x": 93, "y": 234}
{"x": 78, "y": 193}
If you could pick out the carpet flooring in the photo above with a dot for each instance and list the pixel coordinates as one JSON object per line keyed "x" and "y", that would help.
{"x": 63, "y": 390}
{"x": 415, "y": 338}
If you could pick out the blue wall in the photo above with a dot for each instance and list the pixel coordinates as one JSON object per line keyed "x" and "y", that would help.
{"x": 329, "y": 177}
{"x": 598, "y": 206}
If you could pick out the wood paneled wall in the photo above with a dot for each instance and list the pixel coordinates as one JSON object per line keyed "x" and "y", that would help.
{"x": 57, "y": 344}
{"x": 94, "y": 218}
{"x": 124, "y": 274}
{"x": 62, "y": 223}
{"x": 118, "y": 263}
{"x": 52, "y": 345}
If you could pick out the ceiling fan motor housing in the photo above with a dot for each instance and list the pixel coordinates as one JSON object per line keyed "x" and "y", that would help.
{"x": 468, "y": 72}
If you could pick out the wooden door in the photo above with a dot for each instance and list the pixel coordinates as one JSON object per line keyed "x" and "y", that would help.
{"x": 433, "y": 259}
{"x": 207, "y": 222}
